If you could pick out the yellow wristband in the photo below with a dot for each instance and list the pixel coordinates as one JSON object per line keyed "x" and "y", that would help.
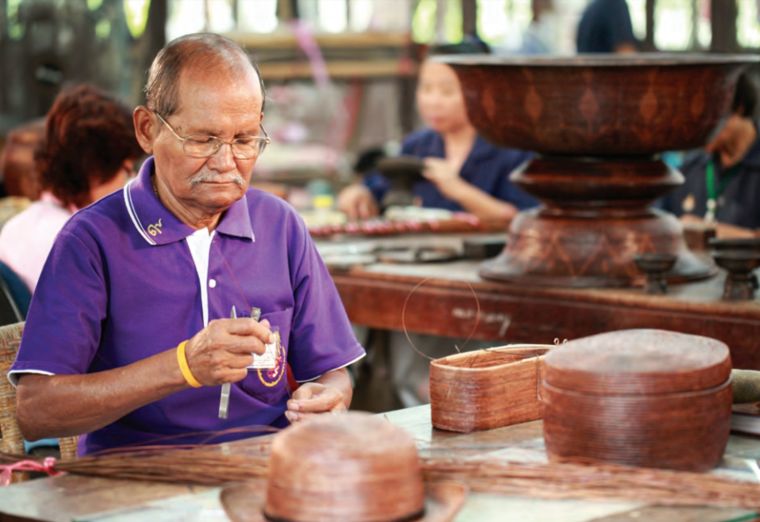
{"x": 184, "y": 367}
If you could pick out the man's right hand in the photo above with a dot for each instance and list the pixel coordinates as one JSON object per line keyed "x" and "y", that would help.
{"x": 357, "y": 202}
{"x": 221, "y": 352}
{"x": 72, "y": 404}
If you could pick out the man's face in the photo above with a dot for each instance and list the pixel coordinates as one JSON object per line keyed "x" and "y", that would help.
{"x": 211, "y": 103}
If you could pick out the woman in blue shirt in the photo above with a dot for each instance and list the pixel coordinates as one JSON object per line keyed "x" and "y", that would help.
{"x": 462, "y": 170}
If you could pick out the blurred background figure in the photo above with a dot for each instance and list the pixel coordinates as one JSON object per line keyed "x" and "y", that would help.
{"x": 722, "y": 184}
{"x": 89, "y": 151}
{"x": 541, "y": 36}
{"x": 17, "y": 166}
{"x": 605, "y": 27}
{"x": 462, "y": 171}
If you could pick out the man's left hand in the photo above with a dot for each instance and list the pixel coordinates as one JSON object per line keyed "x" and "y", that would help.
{"x": 313, "y": 398}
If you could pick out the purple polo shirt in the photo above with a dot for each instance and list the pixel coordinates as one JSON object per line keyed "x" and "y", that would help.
{"x": 120, "y": 285}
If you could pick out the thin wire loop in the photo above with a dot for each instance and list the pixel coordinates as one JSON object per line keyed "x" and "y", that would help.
{"x": 406, "y": 331}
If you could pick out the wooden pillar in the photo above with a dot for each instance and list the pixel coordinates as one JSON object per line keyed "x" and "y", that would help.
{"x": 648, "y": 43}
{"x": 469, "y": 17}
{"x": 4, "y": 61}
{"x": 287, "y": 10}
{"x": 148, "y": 45}
{"x": 155, "y": 30}
{"x": 723, "y": 23}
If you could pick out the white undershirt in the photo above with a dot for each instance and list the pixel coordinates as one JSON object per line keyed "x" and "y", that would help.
{"x": 199, "y": 243}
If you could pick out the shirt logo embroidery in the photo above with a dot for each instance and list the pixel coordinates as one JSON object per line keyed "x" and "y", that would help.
{"x": 272, "y": 376}
{"x": 154, "y": 229}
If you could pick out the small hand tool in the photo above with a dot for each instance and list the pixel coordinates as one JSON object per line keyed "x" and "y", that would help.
{"x": 224, "y": 399}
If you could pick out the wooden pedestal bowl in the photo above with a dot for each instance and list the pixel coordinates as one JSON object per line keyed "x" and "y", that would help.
{"x": 744, "y": 244}
{"x": 597, "y": 123}
{"x": 402, "y": 173}
{"x": 648, "y": 398}
{"x": 655, "y": 266}
{"x": 741, "y": 280}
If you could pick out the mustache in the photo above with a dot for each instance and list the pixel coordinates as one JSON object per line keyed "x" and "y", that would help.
{"x": 203, "y": 177}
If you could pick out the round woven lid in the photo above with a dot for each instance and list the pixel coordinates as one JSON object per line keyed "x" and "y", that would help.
{"x": 638, "y": 362}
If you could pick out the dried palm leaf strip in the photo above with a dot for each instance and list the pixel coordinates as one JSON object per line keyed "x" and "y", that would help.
{"x": 213, "y": 466}
{"x": 204, "y": 465}
{"x": 596, "y": 481}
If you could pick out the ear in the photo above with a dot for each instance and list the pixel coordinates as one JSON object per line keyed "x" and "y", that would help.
{"x": 145, "y": 128}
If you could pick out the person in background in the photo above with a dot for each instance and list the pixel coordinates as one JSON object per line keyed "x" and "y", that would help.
{"x": 722, "y": 184}
{"x": 18, "y": 173}
{"x": 541, "y": 35}
{"x": 462, "y": 170}
{"x": 131, "y": 330}
{"x": 89, "y": 151}
{"x": 605, "y": 27}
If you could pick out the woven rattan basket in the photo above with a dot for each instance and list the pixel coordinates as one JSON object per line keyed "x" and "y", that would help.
{"x": 486, "y": 389}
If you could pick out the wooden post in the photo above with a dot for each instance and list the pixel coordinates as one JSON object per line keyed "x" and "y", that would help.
{"x": 287, "y": 10}
{"x": 4, "y": 54}
{"x": 723, "y": 21}
{"x": 147, "y": 46}
{"x": 469, "y": 17}
{"x": 648, "y": 43}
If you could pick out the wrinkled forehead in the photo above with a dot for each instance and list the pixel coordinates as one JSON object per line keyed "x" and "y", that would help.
{"x": 212, "y": 93}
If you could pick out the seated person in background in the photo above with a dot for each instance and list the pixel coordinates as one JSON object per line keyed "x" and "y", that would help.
{"x": 723, "y": 181}
{"x": 18, "y": 172}
{"x": 128, "y": 337}
{"x": 89, "y": 151}
{"x": 462, "y": 170}
{"x": 605, "y": 27}
{"x": 541, "y": 36}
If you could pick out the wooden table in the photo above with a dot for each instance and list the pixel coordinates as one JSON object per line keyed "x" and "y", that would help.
{"x": 444, "y": 298}
{"x": 95, "y": 499}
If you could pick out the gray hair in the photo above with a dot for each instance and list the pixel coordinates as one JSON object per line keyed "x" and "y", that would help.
{"x": 192, "y": 50}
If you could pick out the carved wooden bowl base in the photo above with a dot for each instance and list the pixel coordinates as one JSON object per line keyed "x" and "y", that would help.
{"x": 595, "y": 219}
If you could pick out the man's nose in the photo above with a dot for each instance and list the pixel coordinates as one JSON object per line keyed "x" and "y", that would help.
{"x": 222, "y": 160}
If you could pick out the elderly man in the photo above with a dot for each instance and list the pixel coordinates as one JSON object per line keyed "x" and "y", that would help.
{"x": 128, "y": 338}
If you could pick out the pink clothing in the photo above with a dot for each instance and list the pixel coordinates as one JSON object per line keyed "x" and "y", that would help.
{"x": 26, "y": 239}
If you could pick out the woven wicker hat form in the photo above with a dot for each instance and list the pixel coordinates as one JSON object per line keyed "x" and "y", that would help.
{"x": 349, "y": 467}
{"x": 648, "y": 398}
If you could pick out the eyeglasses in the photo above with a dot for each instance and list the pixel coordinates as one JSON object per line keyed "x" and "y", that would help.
{"x": 246, "y": 147}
